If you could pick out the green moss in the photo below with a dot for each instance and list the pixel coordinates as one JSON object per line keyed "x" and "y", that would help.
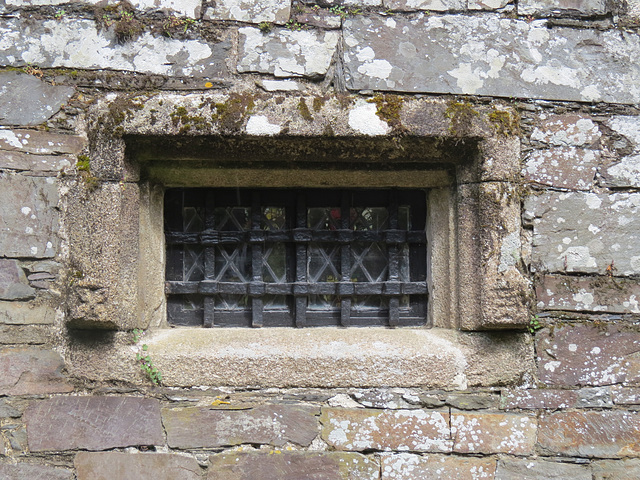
{"x": 304, "y": 110}
{"x": 121, "y": 109}
{"x": 180, "y": 116}
{"x": 83, "y": 163}
{"x": 460, "y": 115}
{"x": 120, "y": 17}
{"x": 230, "y": 115}
{"x": 388, "y": 109}
{"x": 505, "y": 123}
{"x": 318, "y": 103}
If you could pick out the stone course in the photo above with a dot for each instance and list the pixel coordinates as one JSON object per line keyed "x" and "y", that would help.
{"x": 407, "y": 466}
{"x": 31, "y": 371}
{"x": 159, "y": 466}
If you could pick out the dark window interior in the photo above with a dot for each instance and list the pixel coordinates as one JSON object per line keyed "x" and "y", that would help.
{"x": 313, "y": 257}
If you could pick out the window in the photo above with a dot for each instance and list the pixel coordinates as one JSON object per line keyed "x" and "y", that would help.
{"x": 313, "y": 257}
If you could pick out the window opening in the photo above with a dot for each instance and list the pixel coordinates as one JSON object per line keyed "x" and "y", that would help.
{"x": 314, "y": 257}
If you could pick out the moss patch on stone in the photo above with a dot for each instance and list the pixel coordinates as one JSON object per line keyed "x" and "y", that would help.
{"x": 388, "y": 109}
{"x": 230, "y": 115}
{"x": 505, "y": 122}
{"x": 460, "y": 115}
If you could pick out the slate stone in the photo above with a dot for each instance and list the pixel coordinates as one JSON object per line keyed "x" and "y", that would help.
{"x": 487, "y": 4}
{"x": 572, "y": 130}
{"x": 552, "y": 399}
{"x": 406, "y": 466}
{"x": 28, "y": 208}
{"x": 599, "y": 397}
{"x": 623, "y": 174}
{"x": 488, "y": 433}
{"x": 93, "y": 423}
{"x": 24, "y": 334}
{"x": 472, "y": 402}
{"x": 38, "y": 142}
{"x": 584, "y": 354}
{"x": 35, "y": 163}
{"x": 628, "y": 126}
{"x": 289, "y": 465}
{"x": 77, "y": 43}
{"x": 384, "y": 398}
{"x": 286, "y": 53}
{"x": 250, "y": 11}
{"x": 13, "y": 282}
{"x": 606, "y": 434}
{"x": 585, "y": 232}
{"x": 508, "y": 58}
{"x": 18, "y": 440}
{"x": 628, "y": 469}
{"x": 31, "y": 371}
{"x": 32, "y": 471}
{"x": 562, "y": 7}
{"x": 588, "y": 294}
{"x": 143, "y": 466}
{"x": 625, "y": 395}
{"x": 366, "y": 429}
{"x": 27, "y": 100}
{"x": 539, "y": 469}
{"x": 562, "y": 167}
{"x": 431, "y": 5}
{"x": 7, "y": 410}
{"x": 188, "y": 8}
{"x": 267, "y": 424}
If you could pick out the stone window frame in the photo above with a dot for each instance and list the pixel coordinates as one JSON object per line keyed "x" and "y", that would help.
{"x": 119, "y": 274}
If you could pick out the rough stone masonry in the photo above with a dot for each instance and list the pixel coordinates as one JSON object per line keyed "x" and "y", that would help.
{"x": 521, "y": 119}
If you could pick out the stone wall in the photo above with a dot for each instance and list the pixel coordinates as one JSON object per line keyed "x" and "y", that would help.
{"x": 91, "y": 91}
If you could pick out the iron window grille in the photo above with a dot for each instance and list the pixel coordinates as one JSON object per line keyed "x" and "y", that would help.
{"x": 313, "y": 257}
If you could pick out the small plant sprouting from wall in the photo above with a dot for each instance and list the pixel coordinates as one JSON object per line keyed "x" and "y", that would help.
{"x": 83, "y": 165}
{"x": 121, "y": 17}
{"x": 534, "y": 325}
{"x": 144, "y": 359}
{"x": 174, "y": 26}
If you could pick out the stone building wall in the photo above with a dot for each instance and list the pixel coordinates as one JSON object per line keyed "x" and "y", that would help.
{"x": 533, "y": 374}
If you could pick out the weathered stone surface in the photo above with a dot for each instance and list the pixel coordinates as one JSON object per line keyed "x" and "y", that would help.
{"x": 76, "y": 43}
{"x": 24, "y": 334}
{"x": 32, "y": 471}
{"x": 251, "y": 11}
{"x": 523, "y": 61}
{"x": 493, "y": 433}
{"x": 562, "y": 7}
{"x": 93, "y": 423}
{"x": 123, "y": 466}
{"x": 35, "y": 163}
{"x": 7, "y": 410}
{"x": 31, "y": 371}
{"x": 527, "y": 469}
{"x": 616, "y": 469}
{"x": 431, "y": 5}
{"x": 628, "y": 126}
{"x": 40, "y": 142}
{"x": 585, "y": 232}
{"x": 487, "y": 4}
{"x": 26, "y": 100}
{"x": 364, "y": 429}
{"x": 537, "y": 399}
{"x": 588, "y": 355}
{"x": 570, "y": 130}
{"x": 625, "y": 173}
{"x": 599, "y": 397}
{"x": 562, "y": 167}
{"x": 387, "y": 398}
{"x": 18, "y": 440}
{"x": 468, "y": 401}
{"x": 406, "y": 466}
{"x": 189, "y": 8}
{"x": 292, "y": 466}
{"x": 286, "y": 53}
{"x": 591, "y": 294}
{"x": 13, "y": 282}
{"x": 625, "y": 395}
{"x": 28, "y": 208}
{"x": 267, "y": 424}
{"x": 607, "y": 434}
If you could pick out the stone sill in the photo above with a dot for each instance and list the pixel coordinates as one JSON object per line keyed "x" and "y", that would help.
{"x": 338, "y": 357}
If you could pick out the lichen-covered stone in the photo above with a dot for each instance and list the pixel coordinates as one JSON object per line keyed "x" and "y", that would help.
{"x": 268, "y": 424}
{"x": 286, "y": 53}
{"x": 623, "y": 174}
{"x": 188, "y": 8}
{"x": 407, "y": 466}
{"x": 431, "y": 5}
{"x": 606, "y": 434}
{"x": 26, "y": 100}
{"x": 562, "y": 7}
{"x": 32, "y": 471}
{"x": 365, "y": 429}
{"x": 585, "y": 232}
{"x": 287, "y": 465}
{"x": 28, "y": 208}
{"x": 570, "y": 130}
{"x": 507, "y": 58}
{"x": 535, "y": 399}
{"x": 251, "y": 11}
{"x": 487, "y": 4}
{"x": 590, "y": 294}
{"x": 586, "y": 354}
{"x": 540, "y": 469}
{"x": 31, "y": 371}
{"x": 562, "y": 167}
{"x": 40, "y": 142}
{"x": 628, "y": 126}
{"x": 124, "y": 466}
{"x": 493, "y": 433}
{"x": 13, "y": 282}
{"x": 625, "y": 395}
{"x": 76, "y": 43}
{"x": 93, "y": 423}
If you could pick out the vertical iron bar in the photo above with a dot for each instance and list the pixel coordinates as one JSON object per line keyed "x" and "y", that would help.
{"x": 345, "y": 258}
{"x": 257, "y": 304}
{"x": 209, "y": 257}
{"x": 300, "y": 307}
{"x": 394, "y": 260}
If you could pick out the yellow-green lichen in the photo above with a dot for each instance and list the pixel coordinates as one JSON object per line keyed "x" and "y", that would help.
{"x": 388, "y": 109}
{"x": 230, "y": 115}
{"x": 505, "y": 122}
{"x": 304, "y": 110}
{"x": 460, "y": 115}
